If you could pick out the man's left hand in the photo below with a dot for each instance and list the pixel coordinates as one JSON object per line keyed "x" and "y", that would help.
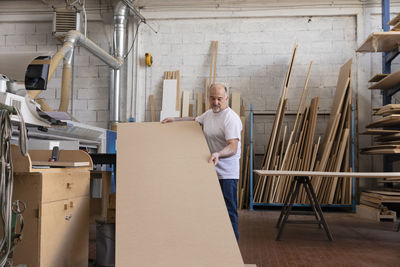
{"x": 214, "y": 158}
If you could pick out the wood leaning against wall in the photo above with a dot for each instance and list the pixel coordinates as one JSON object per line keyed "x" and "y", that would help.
{"x": 303, "y": 153}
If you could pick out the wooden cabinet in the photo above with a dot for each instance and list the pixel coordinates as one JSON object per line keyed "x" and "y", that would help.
{"x": 56, "y": 230}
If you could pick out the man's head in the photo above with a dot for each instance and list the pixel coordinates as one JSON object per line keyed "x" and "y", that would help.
{"x": 218, "y": 98}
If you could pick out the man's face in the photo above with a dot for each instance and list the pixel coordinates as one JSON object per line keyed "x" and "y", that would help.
{"x": 218, "y": 98}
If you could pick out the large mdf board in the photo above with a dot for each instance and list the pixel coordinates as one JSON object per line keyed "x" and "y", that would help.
{"x": 170, "y": 209}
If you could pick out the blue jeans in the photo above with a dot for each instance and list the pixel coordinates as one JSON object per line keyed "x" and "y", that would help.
{"x": 229, "y": 191}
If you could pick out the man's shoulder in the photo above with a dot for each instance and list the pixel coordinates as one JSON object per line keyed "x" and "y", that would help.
{"x": 231, "y": 114}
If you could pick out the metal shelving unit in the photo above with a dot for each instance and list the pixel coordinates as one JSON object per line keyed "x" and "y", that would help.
{"x": 387, "y": 58}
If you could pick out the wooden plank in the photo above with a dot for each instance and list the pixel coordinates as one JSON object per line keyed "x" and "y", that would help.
{"x": 177, "y": 178}
{"x": 386, "y": 193}
{"x": 377, "y": 77}
{"x": 390, "y": 120}
{"x": 273, "y": 151}
{"x": 387, "y": 108}
{"x": 271, "y": 142}
{"x": 152, "y": 109}
{"x": 185, "y": 104}
{"x": 380, "y": 42}
{"x": 242, "y": 119}
{"x": 169, "y": 99}
{"x": 215, "y": 62}
{"x": 211, "y": 64}
{"x": 381, "y": 147}
{"x": 200, "y": 104}
{"x": 235, "y": 102}
{"x": 389, "y": 137}
{"x": 380, "y": 132}
{"x": 388, "y": 82}
{"x": 383, "y": 151}
{"x": 394, "y": 20}
{"x": 396, "y": 27}
{"x": 178, "y": 90}
{"x": 60, "y": 163}
{"x": 339, "y": 159}
{"x": 340, "y": 93}
{"x": 206, "y": 95}
{"x": 191, "y": 110}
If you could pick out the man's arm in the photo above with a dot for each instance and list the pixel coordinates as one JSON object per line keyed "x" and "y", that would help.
{"x": 166, "y": 120}
{"x": 227, "y": 151}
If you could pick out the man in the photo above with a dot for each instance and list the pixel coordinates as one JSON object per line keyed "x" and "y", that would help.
{"x": 222, "y": 128}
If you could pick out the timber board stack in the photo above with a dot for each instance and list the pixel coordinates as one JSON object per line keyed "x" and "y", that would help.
{"x": 303, "y": 153}
{"x": 387, "y": 138}
{"x": 372, "y": 204}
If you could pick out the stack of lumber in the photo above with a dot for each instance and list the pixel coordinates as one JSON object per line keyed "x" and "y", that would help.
{"x": 303, "y": 153}
{"x": 371, "y": 204}
{"x": 375, "y": 198}
{"x": 271, "y": 160}
{"x": 388, "y": 139}
{"x": 383, "y": 41}
{"x": 380, "y": 42}
{"x": 333, "y": 155}
{"x": 176, "y": 103}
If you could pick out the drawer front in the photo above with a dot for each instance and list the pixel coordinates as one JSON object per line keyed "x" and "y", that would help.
{"x": 65, "y": 185}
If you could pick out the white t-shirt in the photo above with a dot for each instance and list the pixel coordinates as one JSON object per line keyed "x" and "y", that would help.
{"x": 218, "y": 128}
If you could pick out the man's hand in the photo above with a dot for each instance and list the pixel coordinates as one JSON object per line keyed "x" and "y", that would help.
{"x": 167, "y": 120}
{"x": 214, "y": 158}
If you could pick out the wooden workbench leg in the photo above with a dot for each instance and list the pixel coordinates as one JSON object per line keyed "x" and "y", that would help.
{"x": 319, "y": 210}
{"x": 286, "y": 204}
{"x": 286, "y": 215}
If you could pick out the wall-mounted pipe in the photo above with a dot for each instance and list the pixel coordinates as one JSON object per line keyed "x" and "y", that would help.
{"x": 72, "y": 39}
{"x": 115, "y": 62}
{"x": 119, "y": 48}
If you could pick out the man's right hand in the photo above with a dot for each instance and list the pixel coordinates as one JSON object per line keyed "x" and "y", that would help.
{"x": 167, "y": 120}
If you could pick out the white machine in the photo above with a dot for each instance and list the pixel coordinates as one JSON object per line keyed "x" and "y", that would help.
{"x": 28, "y": 109}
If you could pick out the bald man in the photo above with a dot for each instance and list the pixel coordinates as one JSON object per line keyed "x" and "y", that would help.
{"x": 222, "y": 128}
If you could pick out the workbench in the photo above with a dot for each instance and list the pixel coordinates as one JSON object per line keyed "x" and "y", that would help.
{"x": 56, "y": 218}
{"x": 303, "y": 178}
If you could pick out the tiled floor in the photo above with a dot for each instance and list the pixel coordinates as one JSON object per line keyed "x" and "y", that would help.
{"x": 357, "y": 242}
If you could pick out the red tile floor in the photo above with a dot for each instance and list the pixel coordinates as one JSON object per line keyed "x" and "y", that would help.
{"x": 357, "y": 242}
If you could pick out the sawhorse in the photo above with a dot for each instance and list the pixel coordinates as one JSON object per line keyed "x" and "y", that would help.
{"x": 288, "y": 205}
{"x": 303, "y": 178}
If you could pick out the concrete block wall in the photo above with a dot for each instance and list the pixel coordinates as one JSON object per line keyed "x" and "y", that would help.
{"x": 253, "y": 54}
{"x": 89, "y": 101}
{"x": 253, "y": 57}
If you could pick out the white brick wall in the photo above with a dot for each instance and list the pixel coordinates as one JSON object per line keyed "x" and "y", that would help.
{"x": 252, "y": 58}
{"x": 252, "y": 61}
